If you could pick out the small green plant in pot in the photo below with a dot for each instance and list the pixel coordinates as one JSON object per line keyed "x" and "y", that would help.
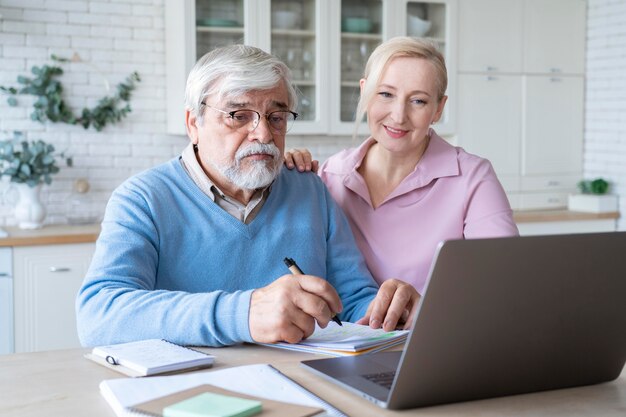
{"x": 597, "y": 186}
{"x": 594, "y": 197}
{"x": 29, "y": 164}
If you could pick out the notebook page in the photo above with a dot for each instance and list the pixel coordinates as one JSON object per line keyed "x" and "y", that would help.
{"x": 260, "y": 380}
{"x": 152, "y": 355}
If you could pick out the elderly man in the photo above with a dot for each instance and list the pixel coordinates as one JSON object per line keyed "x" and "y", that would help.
{"x": 192, "y": 251}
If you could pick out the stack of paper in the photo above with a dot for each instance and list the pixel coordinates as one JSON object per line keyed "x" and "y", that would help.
{"x": 128, "y": 396}
{"x": 345, "y": 340}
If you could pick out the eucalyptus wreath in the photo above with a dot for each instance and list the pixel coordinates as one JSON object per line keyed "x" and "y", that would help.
{"x": 51, "y": 106}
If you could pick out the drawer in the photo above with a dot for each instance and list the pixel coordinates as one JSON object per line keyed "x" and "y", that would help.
{"x": 532, "y": 201}
{"x": 544, "y": 183}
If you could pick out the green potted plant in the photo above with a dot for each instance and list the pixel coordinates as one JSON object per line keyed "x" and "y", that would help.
{"x": 29, "y": 165}
{"x": 594, "y": 197}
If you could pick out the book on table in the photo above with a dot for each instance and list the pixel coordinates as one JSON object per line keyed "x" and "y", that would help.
{"x": 346, "y": 340}
{"x": 149, "y": 357}
{"x": 278, "y": 394}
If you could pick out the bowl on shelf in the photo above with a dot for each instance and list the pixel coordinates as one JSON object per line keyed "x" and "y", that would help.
{"x": 217, "y": 22}
{"x": 418, "y": 27}
{"x": 285, "y": 19}
{"x": 356, "y": 25}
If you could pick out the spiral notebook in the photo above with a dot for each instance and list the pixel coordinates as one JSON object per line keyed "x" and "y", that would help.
{"x": 149, "y": 357}
{"x": 128, "y": 396}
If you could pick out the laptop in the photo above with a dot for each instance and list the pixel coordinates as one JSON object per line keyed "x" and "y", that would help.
{"x": 503, "y": 316}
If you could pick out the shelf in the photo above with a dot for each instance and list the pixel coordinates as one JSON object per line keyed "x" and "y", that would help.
{"x": 219, "y": 29}
{"x": 304, "y": 83}
{"x": 362, "y": 36}
{"x": 294, "y": 32}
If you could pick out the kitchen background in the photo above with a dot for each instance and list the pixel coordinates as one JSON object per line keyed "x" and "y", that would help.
{"x": 115, "y": 38}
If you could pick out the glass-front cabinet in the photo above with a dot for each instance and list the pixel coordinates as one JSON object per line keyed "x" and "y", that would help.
{"x": 325, "y": 43}
{"x": 295, "y": 32}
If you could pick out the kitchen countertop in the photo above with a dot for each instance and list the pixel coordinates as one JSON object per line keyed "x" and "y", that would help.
{"x": 533, "y": 216}
{"x": 51, "y": 235}
{"x": 59, "y": 234}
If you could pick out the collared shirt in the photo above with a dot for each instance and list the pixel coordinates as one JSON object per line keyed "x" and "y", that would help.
{"x": 243, "y": 212}
{"x": 450, "y": 194}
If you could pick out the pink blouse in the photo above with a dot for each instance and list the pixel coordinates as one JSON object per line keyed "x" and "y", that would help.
{"x": 451, "y": 194}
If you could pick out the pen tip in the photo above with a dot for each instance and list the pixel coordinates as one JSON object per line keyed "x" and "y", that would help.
{"x": 289, "y": 262}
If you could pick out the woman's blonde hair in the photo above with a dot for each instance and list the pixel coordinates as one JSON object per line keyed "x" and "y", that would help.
{"x": 401, "y": 46}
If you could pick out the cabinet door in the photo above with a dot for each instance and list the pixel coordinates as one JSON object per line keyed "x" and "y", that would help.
{"x": 367, "y": 23}
{"x": 46, "y": 281}
{"x": 490, "y": 123}
{"x": 553, "y": 135}
{"x": 297, "y": 35}
{"x": 490, "y": 36}
{"x": 554, "y": 33}
{"x": 193, "y": 28}
{"x": 358, "y": 26}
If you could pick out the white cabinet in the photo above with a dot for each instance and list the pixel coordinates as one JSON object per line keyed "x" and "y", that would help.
{"x": 555, "y": 33}
{"x": 536, "y": 72}
{"x": 46, "y": 281}
{"x": 6, "y": 301}
{"x": 490, "y": 122}
{"x": 529, "y": 36}
{"x": 490, "y": 36}
{"x": 553, "y": 139}
{"x": 325, "y": 42}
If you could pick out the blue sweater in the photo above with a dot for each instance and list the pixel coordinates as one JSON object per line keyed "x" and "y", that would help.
{"x": 169, "y": 263}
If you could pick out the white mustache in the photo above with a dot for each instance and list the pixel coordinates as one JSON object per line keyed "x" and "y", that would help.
{"x": 256, "y": 148}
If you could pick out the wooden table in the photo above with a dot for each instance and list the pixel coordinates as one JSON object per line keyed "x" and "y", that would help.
{"x": 63, "y": 383}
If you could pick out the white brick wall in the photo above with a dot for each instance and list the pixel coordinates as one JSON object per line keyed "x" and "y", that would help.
{"x": 114, "y": 38}
{"x": 117, "y": 37}
{"x": 605, "y": 121}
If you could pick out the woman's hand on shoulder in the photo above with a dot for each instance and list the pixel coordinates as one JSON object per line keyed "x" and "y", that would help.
{"x": 302, "y": 159}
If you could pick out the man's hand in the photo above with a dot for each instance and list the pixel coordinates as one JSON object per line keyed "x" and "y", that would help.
{"x": 287, "y": 309}
{"x": 395, "y": 306}
{"x": 302, "y": 159}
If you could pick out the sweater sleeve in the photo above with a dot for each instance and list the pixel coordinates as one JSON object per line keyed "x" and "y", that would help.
{"x": 346, "y": 268}
{"x": 119, "y": 300}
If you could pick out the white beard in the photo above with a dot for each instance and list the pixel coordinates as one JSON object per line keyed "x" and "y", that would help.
{"x": 260, "y": 175}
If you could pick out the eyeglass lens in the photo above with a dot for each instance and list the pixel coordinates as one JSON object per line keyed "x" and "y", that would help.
{"x": 280, "y": 121}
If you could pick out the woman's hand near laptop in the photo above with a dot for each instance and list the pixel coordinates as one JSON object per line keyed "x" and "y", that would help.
{"x": 394, "y": 307}
{"x": 301, "y": 159}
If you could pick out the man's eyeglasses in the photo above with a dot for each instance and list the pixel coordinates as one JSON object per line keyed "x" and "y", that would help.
{"x": 280, "y": 121}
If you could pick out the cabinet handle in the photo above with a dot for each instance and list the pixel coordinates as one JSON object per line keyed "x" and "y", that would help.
{"x": 555, "y": 80}
{"x": 553, "y": 200}
{"x": 491, "y": 78}
{"x": 4, "y": 274}
{"x": 490, "y": 68}
{"x": 553, "y": 183}
{"x": 555, "y": 70}
{"x": 59, "y": 269}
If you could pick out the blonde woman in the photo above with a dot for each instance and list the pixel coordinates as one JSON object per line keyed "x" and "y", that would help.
{"x": 405, "y": 189}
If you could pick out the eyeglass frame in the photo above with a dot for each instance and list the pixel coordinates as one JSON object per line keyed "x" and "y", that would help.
{"x": 231, "y": 114}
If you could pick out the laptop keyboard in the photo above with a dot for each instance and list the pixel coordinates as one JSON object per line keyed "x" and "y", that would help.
{"x": 384, "y": 379}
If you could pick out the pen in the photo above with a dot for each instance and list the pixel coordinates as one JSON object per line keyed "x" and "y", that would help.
{"x": 295, "y": 269}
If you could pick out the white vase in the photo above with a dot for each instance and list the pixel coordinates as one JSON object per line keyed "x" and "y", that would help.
{"x": 29, "y": 211}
